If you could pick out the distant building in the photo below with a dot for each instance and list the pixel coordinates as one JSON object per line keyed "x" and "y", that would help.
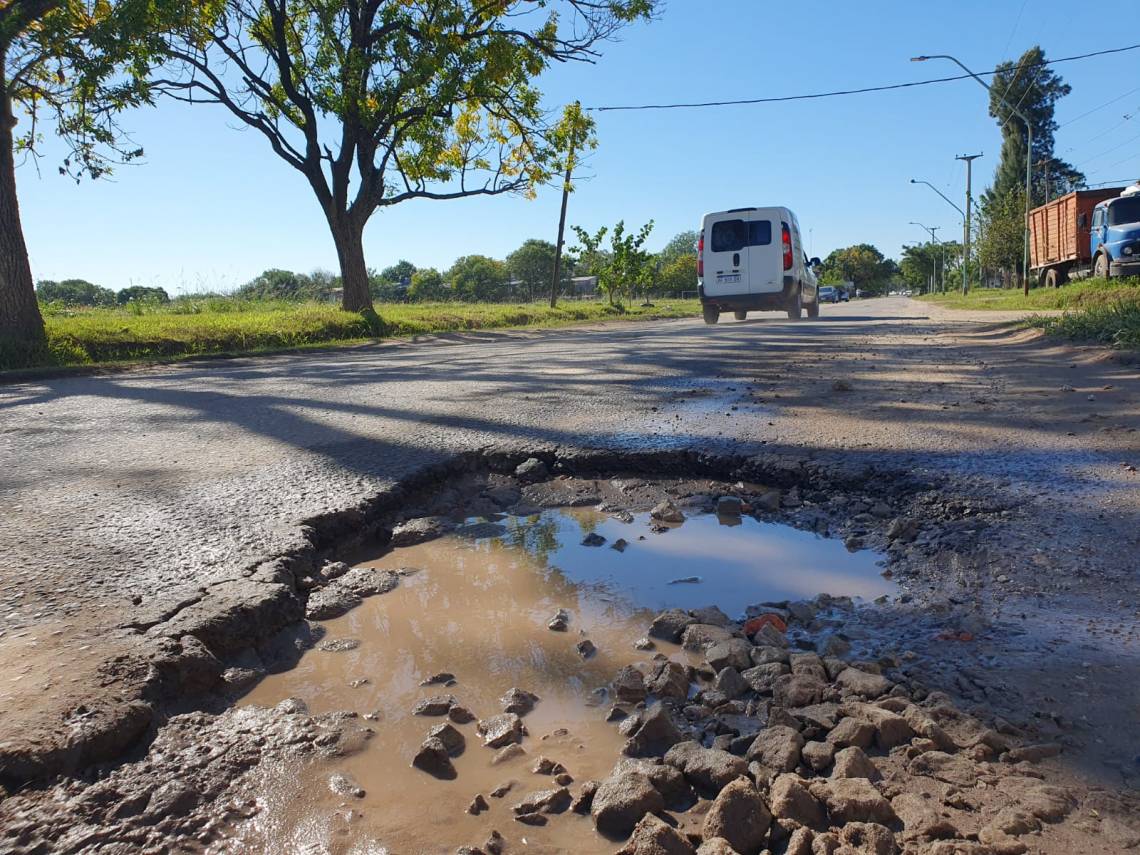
{"x": 583, "y": 285}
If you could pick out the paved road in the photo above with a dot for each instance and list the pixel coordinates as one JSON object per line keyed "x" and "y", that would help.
{"x": 119, "y": 489}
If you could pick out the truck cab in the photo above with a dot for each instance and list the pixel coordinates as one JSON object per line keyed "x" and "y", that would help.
{"x": 1115, "y": 235}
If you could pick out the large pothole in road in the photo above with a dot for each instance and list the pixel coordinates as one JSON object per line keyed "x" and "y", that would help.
{"x": 555, "y": 603}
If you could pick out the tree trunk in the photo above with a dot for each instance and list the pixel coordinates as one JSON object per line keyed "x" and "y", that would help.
{"x": 20, "y": 320}
{"x": 349, "y": 239}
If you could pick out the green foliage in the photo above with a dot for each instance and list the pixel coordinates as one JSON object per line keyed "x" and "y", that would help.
{"x": 276, "y": 284}
{"x": 142, "y": 294}
{"x": 1075, "y": 296}
{"x": 477, "y": 278}
{"x": 679, "y": 275}
{"x": 918, "y": 262}
{"x": 228, "y": 325}
{"x": 1001, "y": 232}
{"x": 532, "y": 265}
{"x": 427, "y": 287}
{"x": 624, "y": 268}
{"x": 681, "y": 244}
{"x": 398, "y": 273}
{"x": 1115, "y": 323}
{"x": 861, "y": 264}
{"x": 74, "y": 292}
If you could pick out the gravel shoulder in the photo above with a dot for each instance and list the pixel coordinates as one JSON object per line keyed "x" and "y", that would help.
{"x": 145, "y": 511}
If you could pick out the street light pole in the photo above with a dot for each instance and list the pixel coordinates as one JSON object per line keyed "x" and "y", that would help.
{"x": 934, "y": 261}
{"x": 1028, "y": 158}
{"x": 969, "y": 158}
{"x": 965, "y": 220}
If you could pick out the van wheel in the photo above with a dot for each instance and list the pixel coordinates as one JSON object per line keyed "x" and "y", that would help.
{"x": 796, "y": 310}
{"x": 712, "y": 314}
{"x": 1100, "y": 267}
{"x": 813, "y": 309}
{"x": 740, "y": 316}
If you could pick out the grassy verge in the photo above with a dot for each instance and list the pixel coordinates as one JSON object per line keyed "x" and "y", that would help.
{"x": 225, "y": 326}
{"x": 1095, "y": 310}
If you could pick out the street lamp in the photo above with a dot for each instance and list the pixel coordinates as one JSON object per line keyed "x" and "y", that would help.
{"x": 933, "y": 239}
{"x": 1028, "y": 157}
{"x": 965, "y": 231}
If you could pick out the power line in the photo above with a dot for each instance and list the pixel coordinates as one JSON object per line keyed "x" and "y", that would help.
{"x": 1111, "y": 150}
{"x": 838, "y": 92}
{"x": 1101, "y": 107}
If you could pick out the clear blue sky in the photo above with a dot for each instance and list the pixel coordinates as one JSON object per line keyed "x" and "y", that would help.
{"x": 212, "y": 206}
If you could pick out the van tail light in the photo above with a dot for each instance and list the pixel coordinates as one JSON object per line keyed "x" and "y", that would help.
{"x": 786, "y": 238}
{"x": 701, "y": 256}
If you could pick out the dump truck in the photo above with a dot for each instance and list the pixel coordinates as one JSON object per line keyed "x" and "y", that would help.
{"x": 1086, "y": 233}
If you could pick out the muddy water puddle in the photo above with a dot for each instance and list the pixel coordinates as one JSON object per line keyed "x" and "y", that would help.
{"x": 478, "y": 608}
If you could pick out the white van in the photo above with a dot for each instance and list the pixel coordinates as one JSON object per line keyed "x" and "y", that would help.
{"x": 752, "y": 259}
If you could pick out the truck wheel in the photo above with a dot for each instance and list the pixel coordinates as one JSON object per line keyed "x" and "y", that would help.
{"x": 740, "y": 316}
{"x": 796, "y": 309}
{"x": 1100, "y": 267}
{"x": 712, "y": 314}
{"x": 1051, "y": 277}
{"x": 813, "y": 308}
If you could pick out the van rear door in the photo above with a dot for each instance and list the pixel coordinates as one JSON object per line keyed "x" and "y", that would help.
{"x": 726, "y": 254}
{"x": 765, "y": 253}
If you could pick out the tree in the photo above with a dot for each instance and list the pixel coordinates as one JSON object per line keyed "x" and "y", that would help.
{"x": 427, "y": 286}
{"x": 624, "y": 267}
{"x": 74, "y": 292}
{"x": 922, "y": 260}
{"x": 73, "y": 65}
{"x": 532, "y": 265}
{"x": 1002, "y": 232}
{"x": 861, "y": 264}
{"x": 1033, "y": 89}
{"x": 681, "y": 244}
{"x": 142, "y": 294}
{"x": 399, "y": 273}
{"x": 421, "y": 100}
{"x": 478, "y": 279}
{"x": 679, "y": 275}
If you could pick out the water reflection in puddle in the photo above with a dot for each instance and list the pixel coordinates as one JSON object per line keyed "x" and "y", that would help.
{"x": 478, "y": 609}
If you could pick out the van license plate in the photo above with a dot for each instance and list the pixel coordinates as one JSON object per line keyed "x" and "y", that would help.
{"x": 727, "y": 278}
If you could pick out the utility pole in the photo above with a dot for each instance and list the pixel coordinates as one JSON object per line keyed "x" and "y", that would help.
{"x": 562, "y": 219}
{"x": 969, "y": 158}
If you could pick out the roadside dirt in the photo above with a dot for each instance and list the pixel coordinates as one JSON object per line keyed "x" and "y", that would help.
{"x": 1020, "y": 481}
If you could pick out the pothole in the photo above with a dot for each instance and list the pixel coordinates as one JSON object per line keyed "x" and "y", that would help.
{"x": 478, "y": 604}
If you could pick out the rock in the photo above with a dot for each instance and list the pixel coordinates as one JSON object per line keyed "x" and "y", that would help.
{"x": 851, "y": 762}
{"x": 419, "y": 530}
{"x": 460, "y": 714}
{"x": 1047, "y": 802}
{"x": 707, "y": 769}
{"x": 921, "y": 817}
{"x": 451, "y": 738}
{"x": 546, "y": 766}
{"x": 339, "y": 645}
{"x": 717, "y": 846}
{"x": 797, "y": 690}
{"x": 669, "y": 781}
{"x": 733, "y": 653}
{"x": 503, "y": 789}
{"x": 802, "y": 612}
{"x": 644, "y": 644}
{"x": 901, "y": 529}
{"x": 667, "y": 512}
{"x": 508, "y": 753}
{"x": 443, "y": 678}
{"x": 808, "y": 664}
{"x": 762, "y": 678}
{"x": 530, "y": 470}
{"x": 500, "y": 730}
{"x": 769, "y": 500}
{"x": 585, "y": 648}
{"x": 478, "y": 805}
{"x": 669, "y": 625}
{"x": 1013, "y": 821}
{"x": 766, "y": 654}
{"x": 869, "y": 838}
{"x": 790, "y": 799}
{"x": 856, "y": 800}
{"x": 518, "y": 701}
{"x": 861, "y": 683}
{"x": 800, "y": 842}
{"x": 671, "y": 680}
{"x": 817, "y": 755}
{"x": 531, "y": 819}
{"x": 653, "y": 836}
{"x": 819, "y": 716}
{"x": 652, "y": 733}
{"x": 740, "y": 816}
{"x": 1032, "y": 753}
{"x": 585, "y": 798}
{"x": 344, "y": 785}
{"x": 712, "y": 615}
{"x": 951, "y": 768}
{"x": 593, "y": 539}
{"x": 617, "y": 713}
{"x": 564, "y": 779}
{"x": 777, "y": 747}
{"x": 559, "y": 622}
{"x": 769, "y": 636}
{"x": 622, "y": 800}
{"x": 730, "y": 683}
{"x": 729, "y": 506}
{"x": 435, "y": 705}
{"x": 891, "y": 729}
{"x": 545, "y": 801}
{"x": 434, "y": 759}
{"x": 172, "y": 799}
{"x": 702, "y": 636}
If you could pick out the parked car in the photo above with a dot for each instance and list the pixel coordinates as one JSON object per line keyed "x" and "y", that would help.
{"x": 828, "y": 294}
{"x": 752, "y": 259}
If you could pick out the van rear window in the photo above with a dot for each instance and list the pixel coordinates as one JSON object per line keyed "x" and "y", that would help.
{"x": 734, "y": 235}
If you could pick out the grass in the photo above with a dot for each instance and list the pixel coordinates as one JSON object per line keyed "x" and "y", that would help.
{"x": 187, "y": 328}
{"x": 1095, "y": 310}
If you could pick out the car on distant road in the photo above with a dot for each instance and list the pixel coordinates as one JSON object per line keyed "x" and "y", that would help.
{"x": 833, "y": 294}
{"x": 752, "y": 259}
